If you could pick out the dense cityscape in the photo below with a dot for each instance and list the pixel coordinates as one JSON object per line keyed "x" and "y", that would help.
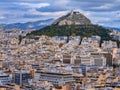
{"x": 54, "y": 63}
{"x": 64, "y": 49}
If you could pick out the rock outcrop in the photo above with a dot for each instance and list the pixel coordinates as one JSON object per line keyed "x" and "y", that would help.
{"x": 72, "y": 18}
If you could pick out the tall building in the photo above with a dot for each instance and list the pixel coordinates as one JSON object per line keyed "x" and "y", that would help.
{"x": 67, "y": 58}
{"x": 21, "y": 78}
{"x": 83, "y": 68}
{"x": 98, "y": 60}
{"x": 86, "y": 60}
{"x": 107, "y": 55}
{"x": 77, "y": 59}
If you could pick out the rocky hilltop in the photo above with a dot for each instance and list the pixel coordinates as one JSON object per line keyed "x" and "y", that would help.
{"x": 74, "y": 23}
{"x": 72, "y": 18}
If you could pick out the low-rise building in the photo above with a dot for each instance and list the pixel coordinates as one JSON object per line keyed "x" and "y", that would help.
{"x": 56, "y": 78}
{"x": 5, "y": 78}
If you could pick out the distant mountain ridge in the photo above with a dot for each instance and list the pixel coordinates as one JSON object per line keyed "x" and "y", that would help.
{"x": 28, "y": 25}
{"x": 113, "y": 28}
{"x": 72, "y": 18}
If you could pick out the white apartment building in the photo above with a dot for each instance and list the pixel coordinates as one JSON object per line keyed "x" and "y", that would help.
{"x": 4, "y": 78}
{"x": 86, "y": 60}
{"x": 98, "y": 60}
{"x": 56, "y": 78}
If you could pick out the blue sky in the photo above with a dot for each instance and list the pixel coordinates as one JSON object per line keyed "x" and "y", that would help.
{"x": 103, "y": 12}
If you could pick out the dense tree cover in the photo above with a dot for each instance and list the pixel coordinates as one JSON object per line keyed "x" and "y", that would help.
{"x": 78, "y": 30}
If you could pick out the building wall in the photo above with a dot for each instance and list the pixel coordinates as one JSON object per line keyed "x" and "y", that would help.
{"x": 66, "y": 58}
{"x": 54, "y": 78}
{"x": 100, "y": 61}
{"x": 21, "y": 78}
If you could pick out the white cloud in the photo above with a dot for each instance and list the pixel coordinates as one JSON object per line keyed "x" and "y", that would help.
{"x": 47, "y": 14}
{"x": 34, "y": 5}
{"x": 2, "y": 17}
{"x": 102, "y": 7}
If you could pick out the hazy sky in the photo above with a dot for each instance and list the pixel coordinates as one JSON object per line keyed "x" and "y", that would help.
{"x": 103, "y": 12}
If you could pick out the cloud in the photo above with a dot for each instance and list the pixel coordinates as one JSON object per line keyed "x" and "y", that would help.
{"x": 104, "y": 12}
{"x": 2, "y": 17}
{"x": 106, "y": 6}
{"x": 34, "y": 5}
{"x": 47, "y": 14}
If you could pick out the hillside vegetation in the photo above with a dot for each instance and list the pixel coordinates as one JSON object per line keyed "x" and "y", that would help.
{"x": 78, "y": 30}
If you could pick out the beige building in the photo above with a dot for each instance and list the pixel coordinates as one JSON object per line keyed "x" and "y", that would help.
{"x": 98, "y": 60}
